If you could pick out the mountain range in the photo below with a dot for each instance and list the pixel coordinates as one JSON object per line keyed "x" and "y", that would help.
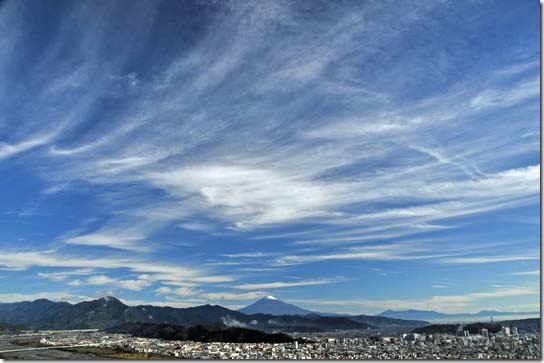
{"x": 431, "y": 315}
{"x": 268, "y": 314}
{"x": 108, "y": 312}
{"x": 271, "y": 305}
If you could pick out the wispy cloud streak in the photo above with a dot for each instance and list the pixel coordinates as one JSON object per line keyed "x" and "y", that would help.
{"x": 318, "y": 133}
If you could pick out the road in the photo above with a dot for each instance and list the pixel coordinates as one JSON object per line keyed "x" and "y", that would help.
{"x": 43, "y": 348}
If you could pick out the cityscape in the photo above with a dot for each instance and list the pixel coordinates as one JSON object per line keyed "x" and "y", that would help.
{"x": 270, "y": 179}
{"x": 507, "y": 344}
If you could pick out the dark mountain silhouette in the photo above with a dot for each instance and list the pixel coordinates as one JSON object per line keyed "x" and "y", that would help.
{"x": 32, "y": 314}
{"x": 526, "y": 325}
{"x": 317, "y": 322}
{"x": 200, "y": 333}
{"x": 106, "y": 312}
{"x": 97, "y": 314}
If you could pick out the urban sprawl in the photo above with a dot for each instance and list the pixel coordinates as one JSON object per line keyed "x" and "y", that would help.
{"x": 506, "y": 344}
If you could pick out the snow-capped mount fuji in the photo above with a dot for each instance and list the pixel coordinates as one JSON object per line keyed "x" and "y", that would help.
{"x": 271, "y": 305}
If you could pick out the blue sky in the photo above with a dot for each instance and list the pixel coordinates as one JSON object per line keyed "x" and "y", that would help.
{"x": 350, "y": 156}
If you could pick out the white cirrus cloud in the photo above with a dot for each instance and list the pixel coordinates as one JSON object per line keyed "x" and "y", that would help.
{"x": 280, "y": 284}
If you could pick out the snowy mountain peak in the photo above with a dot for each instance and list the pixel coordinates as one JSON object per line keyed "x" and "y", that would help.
{"x": 271, "y": 305}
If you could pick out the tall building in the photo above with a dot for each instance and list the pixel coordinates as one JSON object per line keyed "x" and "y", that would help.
{"x": 459, "y": 329}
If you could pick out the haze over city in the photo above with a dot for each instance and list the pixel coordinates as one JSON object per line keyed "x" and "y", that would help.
{"x": 346, "y": 157}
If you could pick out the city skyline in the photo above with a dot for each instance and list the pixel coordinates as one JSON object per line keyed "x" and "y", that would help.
{"x": 351, "y": 157}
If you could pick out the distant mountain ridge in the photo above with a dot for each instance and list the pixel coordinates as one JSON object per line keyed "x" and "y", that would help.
{"x": 431, "y": 315}
{"x": 108, "y": 312}
{"x": 272, "y": 306}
